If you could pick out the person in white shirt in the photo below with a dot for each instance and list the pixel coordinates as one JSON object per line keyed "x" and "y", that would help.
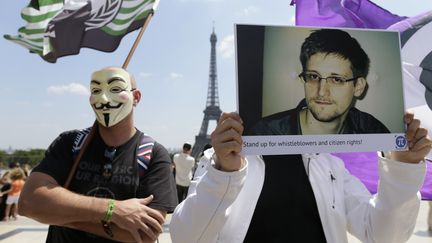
{"x": 184, "y": 164}
{"x": 298, "y": 198}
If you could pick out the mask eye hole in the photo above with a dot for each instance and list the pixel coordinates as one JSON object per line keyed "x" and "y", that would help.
{"x": 95, "y": 91}
{"x": 116, "y": 89}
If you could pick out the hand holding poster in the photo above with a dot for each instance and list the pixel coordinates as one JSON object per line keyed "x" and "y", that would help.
{"x": 330, "y": 99}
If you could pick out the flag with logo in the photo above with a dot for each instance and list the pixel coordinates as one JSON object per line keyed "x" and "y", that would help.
{"x": 416, "y": 36}
{"x": 57, "y": 28}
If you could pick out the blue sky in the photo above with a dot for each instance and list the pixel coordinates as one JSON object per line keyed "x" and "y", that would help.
{"x": 171, "y": 64}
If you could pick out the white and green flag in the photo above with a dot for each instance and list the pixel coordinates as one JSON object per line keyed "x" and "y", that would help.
{"x": 57, "y": 28}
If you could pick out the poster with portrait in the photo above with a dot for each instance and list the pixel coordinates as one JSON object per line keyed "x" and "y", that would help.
{"x": 310, "y": 90}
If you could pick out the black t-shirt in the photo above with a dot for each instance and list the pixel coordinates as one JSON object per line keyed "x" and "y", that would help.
{"x": 286, "y": 210}
{"x": 123, "y": 184}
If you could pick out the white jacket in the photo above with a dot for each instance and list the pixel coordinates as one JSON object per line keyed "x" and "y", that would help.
{"x": 220, "y": 204}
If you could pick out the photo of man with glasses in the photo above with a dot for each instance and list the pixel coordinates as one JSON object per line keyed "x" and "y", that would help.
{"x": 334, "y": 71}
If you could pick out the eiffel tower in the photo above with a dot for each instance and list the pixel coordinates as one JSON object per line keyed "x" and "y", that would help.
{"x": 212, "y": 110}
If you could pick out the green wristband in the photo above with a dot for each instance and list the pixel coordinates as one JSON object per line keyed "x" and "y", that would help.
{"x": 110, "y": 210}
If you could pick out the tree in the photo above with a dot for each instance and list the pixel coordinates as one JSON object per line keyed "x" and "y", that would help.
{"x": 31, "y": 157}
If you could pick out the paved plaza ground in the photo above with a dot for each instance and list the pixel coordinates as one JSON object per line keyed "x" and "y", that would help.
{"x": 25, "y": 230}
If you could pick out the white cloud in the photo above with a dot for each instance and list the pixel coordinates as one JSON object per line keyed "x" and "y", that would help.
{"x": 174, "y": 75}
{"x": 251, "y": 10}
{"x": 226, "y": 46}
{"x": 72, "y": 88}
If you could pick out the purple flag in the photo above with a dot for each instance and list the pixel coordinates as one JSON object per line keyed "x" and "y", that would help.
{"x": 416, "y": 36}
{"x": 343, "y": 13}
{"x": 365, "y": 167}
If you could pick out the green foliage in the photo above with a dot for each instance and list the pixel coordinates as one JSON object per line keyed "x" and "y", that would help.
{"x": 31, "y": 157}
{"x": 2, "y": 155}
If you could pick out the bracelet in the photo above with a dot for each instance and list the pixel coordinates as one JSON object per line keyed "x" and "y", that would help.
{"x": 110, "y": 210}
{"x": 107, "y": 219}
{"x": 107, "y": 228}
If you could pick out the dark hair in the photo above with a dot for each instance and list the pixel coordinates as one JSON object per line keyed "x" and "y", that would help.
{"x": 16, "y": 174}
{"x": 338, "y": 42}
{"x": 14, "y": 165}
{"x": 206, "y": 146}
{"x": 187, "y": 146}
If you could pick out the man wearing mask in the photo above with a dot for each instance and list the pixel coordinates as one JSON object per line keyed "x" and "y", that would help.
{"x": 121, "y": 189}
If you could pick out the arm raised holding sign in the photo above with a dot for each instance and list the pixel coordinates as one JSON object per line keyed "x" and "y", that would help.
{"x": 315, "y": 197}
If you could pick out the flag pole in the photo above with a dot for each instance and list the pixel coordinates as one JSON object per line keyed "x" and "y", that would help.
{"x": 137, "y": 40}
{"x": 80, "y": 154}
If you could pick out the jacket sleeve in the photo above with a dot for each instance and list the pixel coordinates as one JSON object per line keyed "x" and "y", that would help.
{"x": 201, "y": 216}
{"x": 390, "y": 215}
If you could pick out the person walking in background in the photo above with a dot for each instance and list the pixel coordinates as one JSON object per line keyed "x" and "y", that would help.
{"x": 122, "y": 187}
{"x": 184, "y": 164}
{"x": 5, "y": 186}
{"x": 17, "y": 177}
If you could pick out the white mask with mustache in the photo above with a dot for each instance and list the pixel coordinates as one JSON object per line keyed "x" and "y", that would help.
{"x": 111, "y": 95}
